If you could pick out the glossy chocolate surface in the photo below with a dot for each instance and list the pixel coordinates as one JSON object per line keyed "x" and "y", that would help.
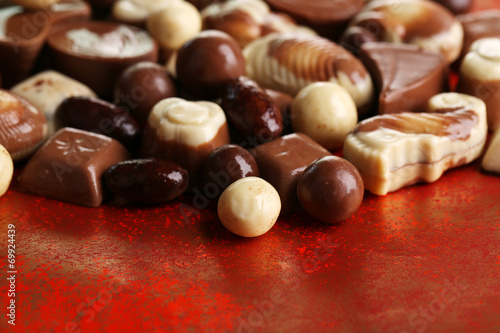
{"x": 98, "y": 116}
{"x": 228, "y": 163}
{"x": 405, "y": 76}
{"x": 147, "y": 181}
{"x": 141, "y": 86}
{"x": 207, "y": 62}
{"x": 69, "y": 166}
{"x": 330, "y": 189}
{"x": 283, "y": 160}
{"x": 250, "y": 109}
{"x": 96, "y": 53}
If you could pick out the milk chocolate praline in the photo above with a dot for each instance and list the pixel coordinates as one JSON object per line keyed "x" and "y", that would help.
{"x": 141, "y": 86}
{"x": 330, "y": 189}
{"x": 207, "y": 62}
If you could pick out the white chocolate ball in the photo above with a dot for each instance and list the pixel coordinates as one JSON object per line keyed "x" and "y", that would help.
{"x": 325, "y": 112}
{"x": 6, "y": 170}
{"x": 174, "y": 24}
{"x": 249, "y": 207}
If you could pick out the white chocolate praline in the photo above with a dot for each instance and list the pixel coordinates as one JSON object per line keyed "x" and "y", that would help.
{"x": 491, "y": 159}
{"x": 483, "y": 60}
{"x": 390, "y": 159}
{"x": 190, "y": 123}
{"x": 325, "y": 112}
{"x": 6, "y": 170}
{"x": 137, "y": 11}
{"x": 256, "y": 9}
{"x": 48, "y": 89}
{"x": 174, "y": 24}
{"x": 249, "y": 207}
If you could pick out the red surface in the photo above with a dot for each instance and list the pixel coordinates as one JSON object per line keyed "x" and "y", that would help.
{"x": 423, "y": 259}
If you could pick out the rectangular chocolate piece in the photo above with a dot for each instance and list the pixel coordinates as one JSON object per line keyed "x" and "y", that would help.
{"x": 69, "y": 166}
{"x": 283, "y": 160}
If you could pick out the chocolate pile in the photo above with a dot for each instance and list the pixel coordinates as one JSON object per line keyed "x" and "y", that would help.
{"x": 144, "y": 101}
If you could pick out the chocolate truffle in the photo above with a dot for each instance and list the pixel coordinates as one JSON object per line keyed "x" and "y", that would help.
{"x": 69, "y": 167}
{"x": 405, "y": 76}
{"x": 480, "y": 76}
{"x": 330, "y": 189}
{"x": 281, "y": 162}
{"x": 23, "y": 126}
{"x": 228, "y": 163}
{"x": 185, "y": 132}
{"x": 96, "y": 53}
{"x": 207, "y": 62}
{"x": 141, "y": 86}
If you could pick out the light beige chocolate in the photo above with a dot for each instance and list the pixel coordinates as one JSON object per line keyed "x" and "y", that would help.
{"x": 6, "y": 170}
{"x": 288, "y": 62}
{"x": 480, "y": 76}
{"x": 392, "y": 151}
{"x": 136, "y": 12}
{"x": 491, "y": 159}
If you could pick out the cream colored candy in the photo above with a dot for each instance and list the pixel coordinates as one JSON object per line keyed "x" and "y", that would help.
{"x": 48, "y": 89}
{"x": 137, "y": 11}
{"x": 491, "y": 159}
{"x": 325, "y": 112}
{"x": 6, "y": 170}
{"x": 392, "y": 151}
{"x": 174, "y": 24}
{"x": 249, "y": 207}
{"x": 480, "y": 76}
{"x": 35, "y": 4}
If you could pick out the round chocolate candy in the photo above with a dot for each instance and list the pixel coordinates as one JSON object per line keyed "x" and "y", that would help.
{"x": 330, "y": 189}
{"x": 148, "y": 181}
{"x": 228, "y": 163}
{"x": 141, "y": 86}
{"x": 208, "y": 61}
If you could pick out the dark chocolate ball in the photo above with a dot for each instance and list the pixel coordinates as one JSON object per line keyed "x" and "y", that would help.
{"x": 330, "y": 189}
{"x": 227, "y": 164}
{"x": 207, "y": 62}
{"x": 141, "y": 86}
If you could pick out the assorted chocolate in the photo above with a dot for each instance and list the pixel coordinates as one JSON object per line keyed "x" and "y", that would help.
{"x": 146, "y": 99}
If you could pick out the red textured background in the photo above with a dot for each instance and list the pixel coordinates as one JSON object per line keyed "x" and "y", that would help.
{"x": 423, "y": 259}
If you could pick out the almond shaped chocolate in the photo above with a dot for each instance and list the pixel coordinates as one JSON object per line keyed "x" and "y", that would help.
{"x": 70, "y": 165}
{"x": 96, "y": 53}
{"x": 392, "y": 151}
{"x": 22, "y": 126}
{"x": 405, "y": 76}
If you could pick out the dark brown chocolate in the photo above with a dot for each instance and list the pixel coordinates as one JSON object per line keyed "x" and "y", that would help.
{"x": 327, "y": 17}
{"x": 141, "y": 86}
{"x": 479, "y": 25}
{"x": 283, "y": 160}
{"x": 207, "y": 62}
{"x": 69, "y": 166}
{"x": 330, "y": 189}
{"x": 405, "y": 76}
{"x": 96, "y": 53}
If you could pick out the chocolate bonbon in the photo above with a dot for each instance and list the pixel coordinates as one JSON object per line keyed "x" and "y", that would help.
{"x": 330, "y": 189}
{"x": 281, "y": 162}
{"x": 422, "y": 23}
{"x": 325, "y": 112}
{"x": 141, "y": 86}
{"x": 491, "y": 159}
{"x": 23, "y": 126}
{"x": 69, "y": 167}
{"x": 147, "y": 181}
{"x": 327, "y": 17}
{"x": 457, "y": 6}
{"x": 136, "y": 12}
{"x": 251, "y": 110}
{"x": 480, "y": 76}
{"x": 96, "y": 53}
{"x": 288, "y": 62}
{"x": 392, "y": 151}
{"x": 405, "y": 76}
{"x": 479, "y": 25}
{"x": 207, "y": 62}
{"x": 185, "y": 132}
{"x": 48, "y": 89}
{"x": 249, "y": 207}
{"x": 6, "y": 170}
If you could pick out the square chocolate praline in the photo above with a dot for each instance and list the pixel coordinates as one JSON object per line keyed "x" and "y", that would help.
{"x": 283, "y": 160}
{"x": 69, "y": 167}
